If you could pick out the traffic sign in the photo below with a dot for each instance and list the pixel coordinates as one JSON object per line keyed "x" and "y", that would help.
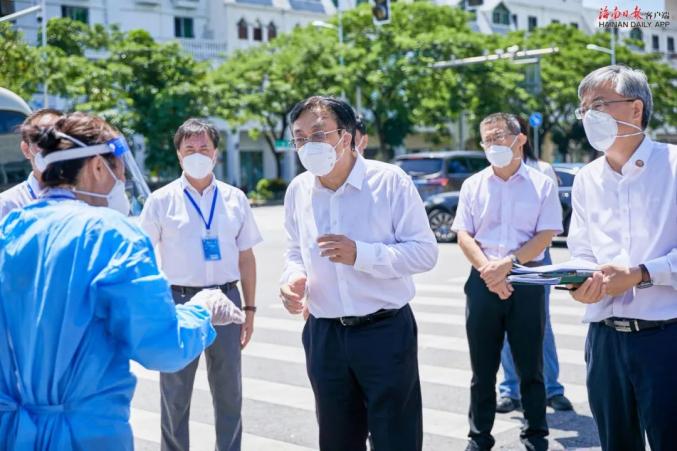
{"x": 282, "y": 145}
{"x": 536, "y": 119}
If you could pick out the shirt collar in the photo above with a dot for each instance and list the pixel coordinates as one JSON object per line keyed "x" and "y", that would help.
{"x": 355, "y": 177}
{"x": 33, "y": 183}
{"x": 639, "y": 158}
{"x": 521, "y": 172}
{"x": 186, "y": 184}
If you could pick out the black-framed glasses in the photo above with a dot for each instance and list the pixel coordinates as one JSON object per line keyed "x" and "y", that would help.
{"x": 598, "y": 105}
{"x": 316, "y": 137}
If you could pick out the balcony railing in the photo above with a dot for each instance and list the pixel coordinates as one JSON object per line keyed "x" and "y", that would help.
{"x": 204, "y": 49}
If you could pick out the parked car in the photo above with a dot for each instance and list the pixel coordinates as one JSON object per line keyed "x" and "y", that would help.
{"x": 443, "y": 171}
{"x": 565, "y": 175}
{"x": 441, "y": 208}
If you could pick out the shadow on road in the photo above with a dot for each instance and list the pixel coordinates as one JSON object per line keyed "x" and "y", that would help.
{"x": 584, "y": 426}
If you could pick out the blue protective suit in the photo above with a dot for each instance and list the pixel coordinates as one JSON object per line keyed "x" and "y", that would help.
{"x": 80, "y": 295}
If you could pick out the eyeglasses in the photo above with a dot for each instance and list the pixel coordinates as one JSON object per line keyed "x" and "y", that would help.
{"x": 598, "y": 105}
{"x": 316, "y": 137}
{"x": 497, "y": 138}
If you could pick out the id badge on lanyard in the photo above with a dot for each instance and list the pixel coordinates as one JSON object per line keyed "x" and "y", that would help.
{"x": 210, "y": 242}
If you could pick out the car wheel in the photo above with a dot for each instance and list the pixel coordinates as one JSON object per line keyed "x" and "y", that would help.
{"x": 440, "y": 223}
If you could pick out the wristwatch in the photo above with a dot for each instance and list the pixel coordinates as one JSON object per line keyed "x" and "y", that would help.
{"x": 646, "y": 278}
{"x": 251, "y": 308}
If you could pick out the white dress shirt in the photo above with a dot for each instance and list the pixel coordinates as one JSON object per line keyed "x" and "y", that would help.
{"x": 502, "y": 215}
{"x": 176, "y": 229}
{"x": 629, "y": 219}
{"x": 545, "y": 168}
{"x": 19, "y": 195}
{"x": 379, "y": 208}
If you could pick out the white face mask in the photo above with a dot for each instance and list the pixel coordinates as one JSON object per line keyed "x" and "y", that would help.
{"x": 500, "y": 156}
{"x": 116, "y": 197}
{"x": 319, "y": 158}
{"x": 198, "y": 166}
{"x": 601, "y": 129}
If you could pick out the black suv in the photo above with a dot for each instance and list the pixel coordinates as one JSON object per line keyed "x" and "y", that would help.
{"x": 441, "y": 208}
{"x": 438, "y": 172}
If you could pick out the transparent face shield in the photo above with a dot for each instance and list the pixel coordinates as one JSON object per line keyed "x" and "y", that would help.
{"x": 136, "y": 188}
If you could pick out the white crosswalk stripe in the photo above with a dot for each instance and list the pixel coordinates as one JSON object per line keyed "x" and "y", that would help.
{"x": 437, "y": 307}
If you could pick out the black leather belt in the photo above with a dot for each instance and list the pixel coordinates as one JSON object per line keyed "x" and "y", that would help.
{"x": 352, "y": 321}
{"x": 191, "y": 291}
{"x": 635, "y": 325}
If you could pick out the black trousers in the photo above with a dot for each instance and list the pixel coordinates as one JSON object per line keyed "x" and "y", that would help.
{"x": 488, "y": 318}
{"x": 632, "y": 387}
{"x": 365, "y": 380}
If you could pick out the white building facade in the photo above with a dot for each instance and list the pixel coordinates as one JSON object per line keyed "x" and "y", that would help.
{"x": 209, "y": 30}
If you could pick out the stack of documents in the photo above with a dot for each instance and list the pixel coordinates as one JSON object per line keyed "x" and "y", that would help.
{"x": 573, "y": 272}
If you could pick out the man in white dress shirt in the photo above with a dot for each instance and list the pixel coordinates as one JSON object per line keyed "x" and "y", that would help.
{"x": 204, "y": 232}
{"x": 625, "y": 219}
{"x": 507, "y": 213}
{"x": 357, "y": 232}
{"x": 29, "y": 190}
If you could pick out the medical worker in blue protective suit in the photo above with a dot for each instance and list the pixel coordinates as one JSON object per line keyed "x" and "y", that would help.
{"x": 81, "y": 295}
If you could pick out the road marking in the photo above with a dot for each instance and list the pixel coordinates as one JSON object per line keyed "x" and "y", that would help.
{"x": 146, "y": 426}
{"x": 446, "y": 424}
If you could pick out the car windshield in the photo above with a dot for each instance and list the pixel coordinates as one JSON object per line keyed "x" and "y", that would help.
{"x": 420, "y": 166}
{"x": 565, "y": 178}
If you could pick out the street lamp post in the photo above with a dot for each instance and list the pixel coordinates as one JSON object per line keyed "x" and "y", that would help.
{"x": 323, "y": 24}
{"x": 610, "y": 51}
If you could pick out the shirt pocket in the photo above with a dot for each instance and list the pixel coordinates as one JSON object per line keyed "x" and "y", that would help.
{"x": 177, "y": 227}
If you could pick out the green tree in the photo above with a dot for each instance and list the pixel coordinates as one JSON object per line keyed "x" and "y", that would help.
{"x": 562, "y": 72}
{"x": 139, "y": 85}
{"x": 260, "y": 85}
{"x": 18, "y": 62}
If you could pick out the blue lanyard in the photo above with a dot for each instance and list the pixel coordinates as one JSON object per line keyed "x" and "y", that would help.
{"x": 30, "y": 191}
{"x": 207, "y": 224}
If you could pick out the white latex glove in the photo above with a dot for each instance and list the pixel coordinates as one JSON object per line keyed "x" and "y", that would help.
{"x": 222, "y": 309}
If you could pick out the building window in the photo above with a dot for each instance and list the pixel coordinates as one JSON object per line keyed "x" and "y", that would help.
{"x": 514, "y": 20}
{"x": 533, "y": 23}
{"x": 75, "y": 13}
{"x": 242, "y": 30}
{"x": 671, "y": 44}
{"x": 554, "y": 21}
{"x": 272, "y": 31}
{"x": 655, "y": 43}
{"x": 636, "y": 34}
{"x": 501, "y": 15}
{"x": 258, "y": 31}
{"x": 183, "y": 27}
{"x": 575, "y": 25}
{"x": 475, "y": 2}
{"x": 6, "y": 7}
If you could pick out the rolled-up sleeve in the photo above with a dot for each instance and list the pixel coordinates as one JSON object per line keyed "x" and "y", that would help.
{"x": 149, "y": 222}
{"x": 550, "y": 217}
{"x": 463, "y": 219}
{"x": 248, "y": 235}
{"x": 415, "y": 248}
